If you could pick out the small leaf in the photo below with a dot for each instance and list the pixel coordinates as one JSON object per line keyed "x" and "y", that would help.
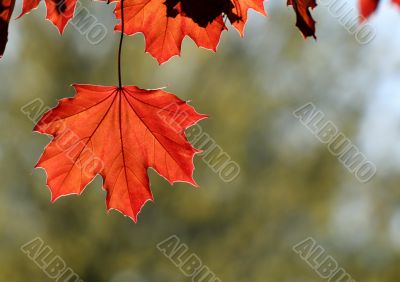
{"x": 304, "y": 20}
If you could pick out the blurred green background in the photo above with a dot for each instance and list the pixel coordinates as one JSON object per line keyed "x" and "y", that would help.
{"x": 290, "y": 186}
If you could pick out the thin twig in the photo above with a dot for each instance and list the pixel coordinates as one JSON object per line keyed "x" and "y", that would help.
{"x": 120, "y": 44}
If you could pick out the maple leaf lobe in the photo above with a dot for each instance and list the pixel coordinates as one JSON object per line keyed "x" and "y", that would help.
{"x": 59, "y": 12}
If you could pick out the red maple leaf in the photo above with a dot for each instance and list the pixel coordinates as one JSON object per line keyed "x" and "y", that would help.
{"x": 368, "y": 7}
{"x": 118, "y": 133}
{"x": 164, "y": 27}
{"x": 6, "y": 9}
{"x": 59, "y": 12}
{"x": 304, "y": 20}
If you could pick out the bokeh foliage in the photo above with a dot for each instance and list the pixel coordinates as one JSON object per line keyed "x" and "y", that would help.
{"x": 289, "y": 188}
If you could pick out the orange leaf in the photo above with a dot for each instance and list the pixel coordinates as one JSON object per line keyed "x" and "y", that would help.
{"x": 166, "y": 23}
{"x": 119, "y": 134}
{"x": 242, "y": 7}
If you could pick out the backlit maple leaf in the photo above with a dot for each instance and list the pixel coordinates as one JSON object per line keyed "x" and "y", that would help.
{"x": 119, "y": 134}
{"x": 165, "y": 23}
{"x": 164, "y": 35}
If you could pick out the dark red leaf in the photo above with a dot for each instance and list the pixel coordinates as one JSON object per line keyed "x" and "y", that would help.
{"x": 304, "y": 20}
{"x": 6, "y": 10}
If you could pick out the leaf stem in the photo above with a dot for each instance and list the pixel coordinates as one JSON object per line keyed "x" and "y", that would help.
{"x": 120, "y": 45}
